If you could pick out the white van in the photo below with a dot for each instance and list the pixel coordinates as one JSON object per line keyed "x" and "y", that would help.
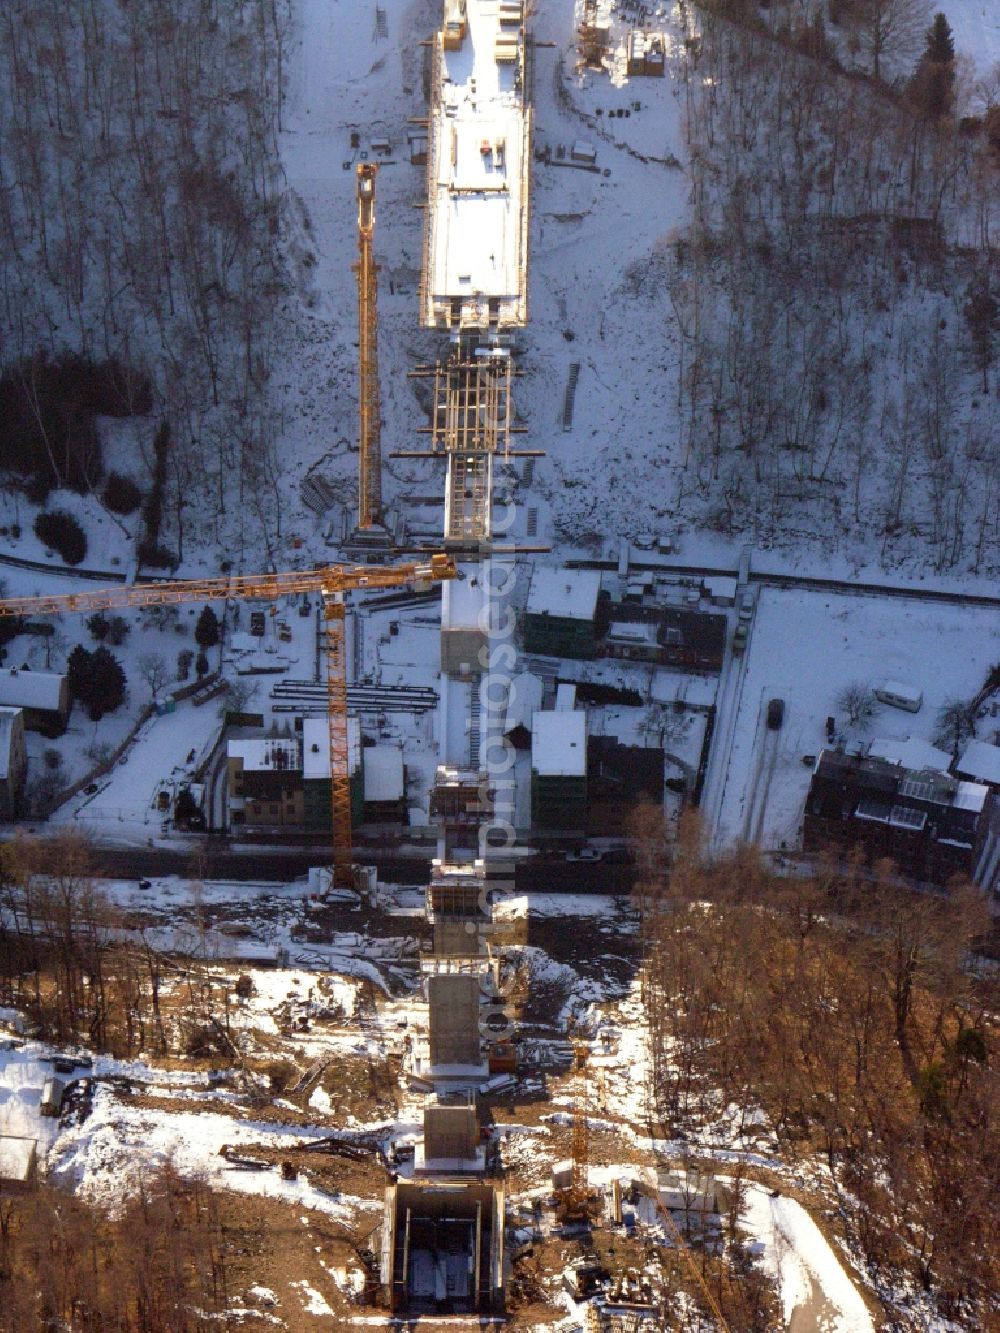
{"x": 897, "y": 694}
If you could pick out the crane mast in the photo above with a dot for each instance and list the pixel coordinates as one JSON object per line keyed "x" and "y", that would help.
{"x": 331, "y": 583}
{"x": 369, "y": 408}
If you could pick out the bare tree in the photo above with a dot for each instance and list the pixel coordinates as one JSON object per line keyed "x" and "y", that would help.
{"x": 858, "y": 701}
{"x": 154, "y": 671}
{"x": 891, "y": 31}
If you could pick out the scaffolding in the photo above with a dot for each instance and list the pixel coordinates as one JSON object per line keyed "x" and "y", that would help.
{"x": 468, "y": 497}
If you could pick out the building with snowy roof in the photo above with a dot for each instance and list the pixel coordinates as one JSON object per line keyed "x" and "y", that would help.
{"x": 559, "y": 769}
{"x": 283, "y": 781}
{"x": 560, "y": 618}
{"x": 13, "y": 762}
{"x": 464, "y": 626}
{"x": 646, "y": 54}
{"x": 524, "y": 699}
{"x": 18, "y": 1163}
{"x": 43, "y": 696}
{"x": 980, "y": 762}
{"x": 384, "y": 783}
{"x": 317, "y": 794}
{"x": 930, "y": 824}
{"x": 911, "y": 753}
{"x": 265, "y": 780}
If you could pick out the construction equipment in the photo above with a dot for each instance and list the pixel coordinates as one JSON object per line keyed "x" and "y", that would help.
{"x": 369, "y": 406}
{"x": 681, "y": 1244}
{"x": 331, "y": 583}
{"x": 576, "y": 1203}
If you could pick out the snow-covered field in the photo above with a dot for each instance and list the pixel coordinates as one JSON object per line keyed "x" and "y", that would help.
{"x": 805, "y": 647}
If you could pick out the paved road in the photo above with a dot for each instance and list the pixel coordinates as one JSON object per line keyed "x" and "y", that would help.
{"x": 220, "y": 862}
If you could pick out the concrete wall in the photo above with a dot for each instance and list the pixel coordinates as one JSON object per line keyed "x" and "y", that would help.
{"x": 454, "y": 1020}
{"x": 450, "y": 1131}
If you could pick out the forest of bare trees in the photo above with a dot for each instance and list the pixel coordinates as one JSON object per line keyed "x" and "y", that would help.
{"x": 159, "y": 1265}
{"x": 852, "y": 1013}
{"x": 140, "y": 192}
{"x": 835, "y": 376}
{"x": 82, "y": 971}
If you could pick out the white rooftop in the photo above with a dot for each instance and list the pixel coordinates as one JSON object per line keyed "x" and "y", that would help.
{"x": 478, "y": 170}
{"x": 266, "y": 754}
{"x": 970, "y": 796}
{"x": 316, "y": 746}
{"x": 15, "y": 1157}
{"x": 383, "y": 766}
{"x": 633, "y": 631}
{"x": 464, "y": 602}
{"x": 565, "y": 696}
{"x": 911, "y": 753}
{"x": 981, "y": 761}
{"x": 524, "y": 696}
{"x": 20, "y": 688}
{"x": 569, "y": 593}
{"x": 559, "y": 744}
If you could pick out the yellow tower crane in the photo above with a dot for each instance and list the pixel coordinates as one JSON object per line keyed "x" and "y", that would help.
{"x": 331, "y": 583}
{"x": 369, "y": 406}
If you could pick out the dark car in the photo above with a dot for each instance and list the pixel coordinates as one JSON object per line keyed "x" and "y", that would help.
{"x": 775, "y": 714}
{"x": 90, "y": 788}
{"x": 619, "y": 856}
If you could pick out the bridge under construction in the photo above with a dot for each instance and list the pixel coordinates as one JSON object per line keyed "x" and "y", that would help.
{"x": 474, "y": 280}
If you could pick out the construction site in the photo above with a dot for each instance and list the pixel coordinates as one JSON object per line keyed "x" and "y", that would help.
{"x": 439, "y": 1091}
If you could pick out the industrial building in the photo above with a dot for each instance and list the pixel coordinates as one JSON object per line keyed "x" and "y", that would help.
{"x": 561, "y": 615}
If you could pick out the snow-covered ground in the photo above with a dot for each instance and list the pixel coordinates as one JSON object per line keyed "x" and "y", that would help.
{"x": 810, "y": 1277}
{"x": 976, "y": 28}
{"x": 805, "y": 647}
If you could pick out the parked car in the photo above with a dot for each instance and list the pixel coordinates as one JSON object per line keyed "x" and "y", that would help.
{"x": 620, "y": 856}
{"x": 775, "y": 714}
{"x": 740, "y": 640}
{"x": 746, "y": 605}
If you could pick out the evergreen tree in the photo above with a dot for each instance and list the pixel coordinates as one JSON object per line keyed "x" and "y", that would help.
{"x": 206, "y": 631}
{"x": 185, "y": 807}
{"x": 940, "y": 42}
{"x": 78, "y": 672}
{"x": 96, "y": 680}
{"x": 933, "y": 85}
{"x": 107, "y": 684}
